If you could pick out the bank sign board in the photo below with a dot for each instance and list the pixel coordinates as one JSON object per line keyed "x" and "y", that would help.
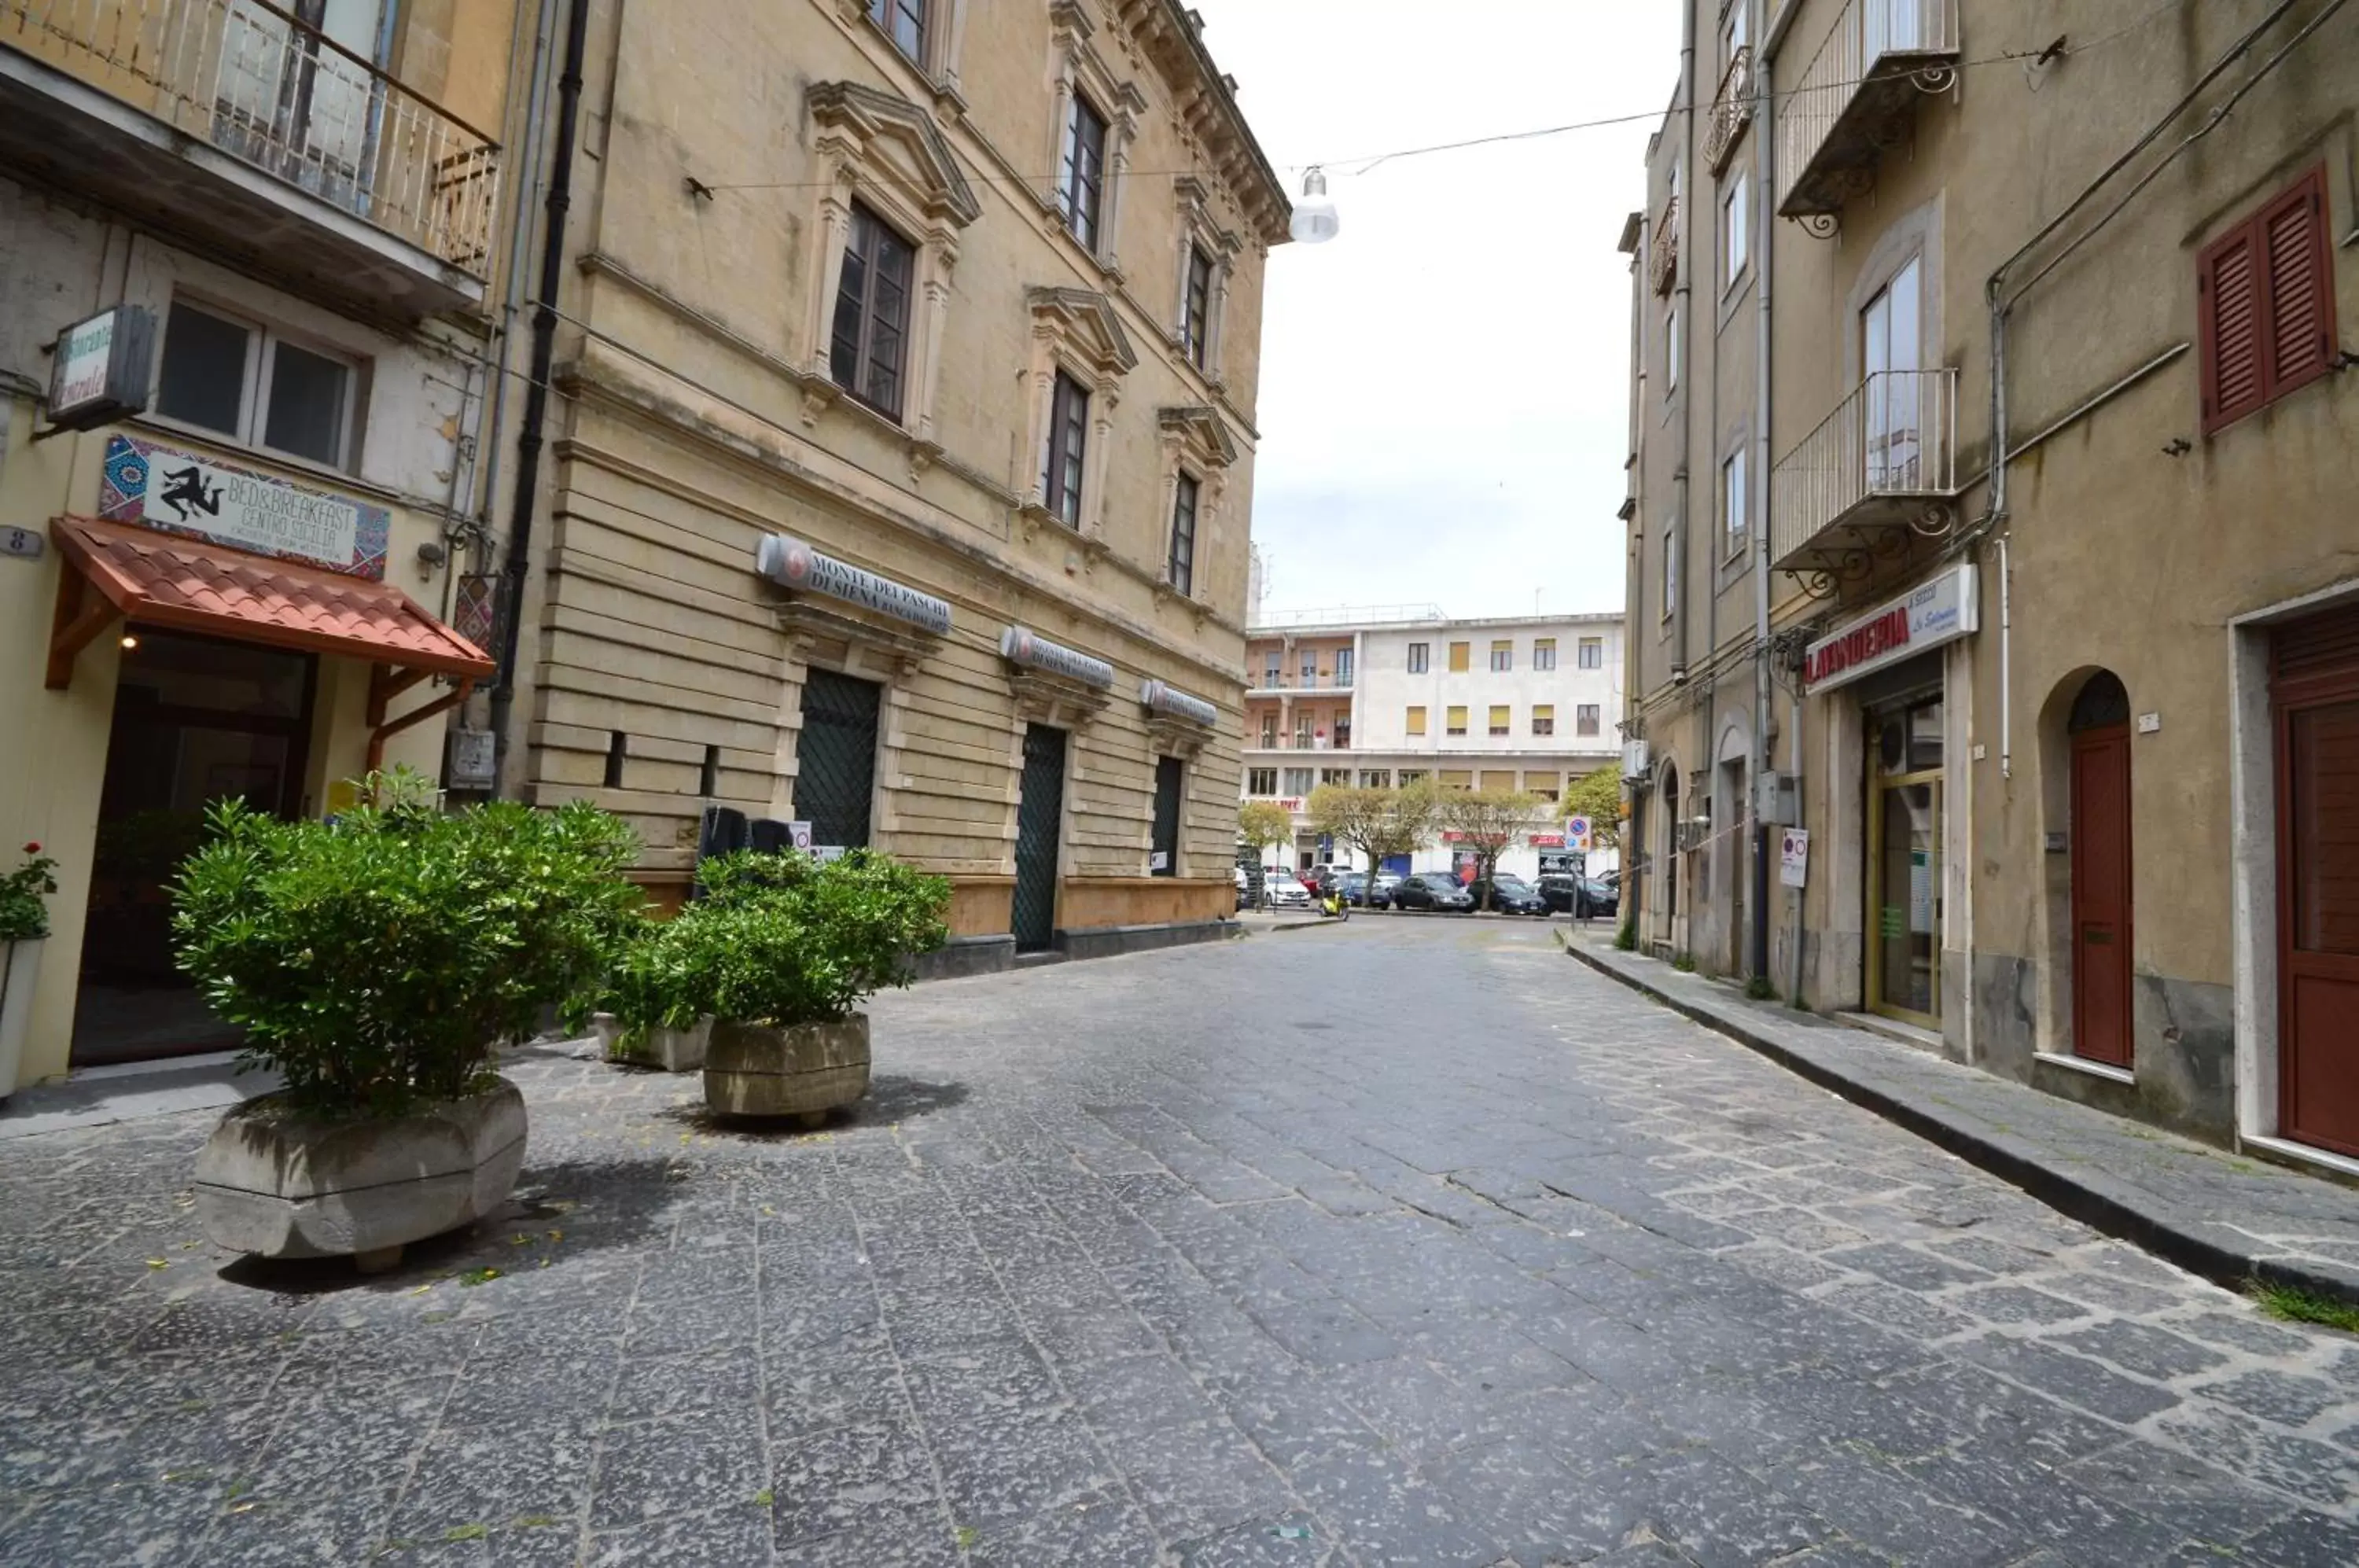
{"x": 1936, "y": 611}
{"x": 178, "y": 491}
{"x": 1023, "y": 645}
{"x": 791, "y": 564}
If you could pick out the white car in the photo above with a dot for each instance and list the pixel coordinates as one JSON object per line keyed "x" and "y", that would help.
{"x": 1284, "y": 889}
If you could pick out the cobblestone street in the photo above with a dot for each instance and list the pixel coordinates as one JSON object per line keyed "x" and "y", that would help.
{"x": 1407, "y": 1242}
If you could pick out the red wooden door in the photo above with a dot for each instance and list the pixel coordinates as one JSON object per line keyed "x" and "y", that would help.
{"x": 2314, "y": 686}
{"x": 2100, "y": 895}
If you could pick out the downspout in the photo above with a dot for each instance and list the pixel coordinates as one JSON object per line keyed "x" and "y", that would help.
{"x": 529, "y": 438}
{"x": 1765, "y": 165}
{"x": 1683, "y": 298}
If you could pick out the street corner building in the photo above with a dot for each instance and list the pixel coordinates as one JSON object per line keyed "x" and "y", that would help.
{"x": 248, "y": 267}
{"x": 1993, "y": 625}
{"x": 892, "y": 468}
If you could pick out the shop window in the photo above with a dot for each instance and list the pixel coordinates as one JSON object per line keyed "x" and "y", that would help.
{"x": 1376, "y": 779}
{"x": 245, "y": 383}
{"x": 1544, "y": 718}
{"x": 1499, "y": 719}
{"x": 1416, "y": 724}
{"x": 1417, "y": 654}
{"x": 1454, "y": 721}
{"x": 1261, "y": 781}
{"x": 2264, "y": 304}
{"x": 1410, "y": 776}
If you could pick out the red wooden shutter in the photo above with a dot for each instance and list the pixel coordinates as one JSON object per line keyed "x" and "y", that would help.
{"x": 2299, "y": 290}
{"x": 2228, "y": 325}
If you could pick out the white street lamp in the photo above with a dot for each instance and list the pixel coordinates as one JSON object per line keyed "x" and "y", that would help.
{"x": 1314, "y": 216}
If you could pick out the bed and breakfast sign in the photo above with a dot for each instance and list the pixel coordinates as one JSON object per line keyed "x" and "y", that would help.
{"x": 178, "y": 491}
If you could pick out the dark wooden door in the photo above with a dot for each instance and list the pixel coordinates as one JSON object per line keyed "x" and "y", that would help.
{"x": 1163, "y": 845}
{"x": 2318, "y": 938}
{"x": 2100, "y": 895}
{"x": 1038, "y": 816}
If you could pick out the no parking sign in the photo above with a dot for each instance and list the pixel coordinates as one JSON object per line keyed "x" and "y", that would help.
{"x": 1577, "y": 833}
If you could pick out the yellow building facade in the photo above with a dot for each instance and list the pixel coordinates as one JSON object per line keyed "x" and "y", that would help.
{"x": 897, "y": 455}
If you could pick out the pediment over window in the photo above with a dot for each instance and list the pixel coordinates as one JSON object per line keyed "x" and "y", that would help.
{"x": 897, "y": 143}
{"x": 1086, "y": 323}
{"x": 1200, "y": 431}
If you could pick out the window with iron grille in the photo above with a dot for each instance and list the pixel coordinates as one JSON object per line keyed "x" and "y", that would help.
{"x": 904, "y": 22}
{"x": 835, "y": 758}
{"x": 1196, "y": 328}
{"x": 1593, "y": 653}
{"x": 1261, "y": 781}
{"x": 1069, "y": 436}
{"x": 1585, "y": 719}
{"x": 872, "y": 313}
{"x": 1183, "y": 535}
{"x": 1082, "y": 181}
{"x": 2264, "y": 304}
{"x": 1418, "y": 655}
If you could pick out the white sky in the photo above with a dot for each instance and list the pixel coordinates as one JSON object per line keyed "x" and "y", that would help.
{"x": 1444, "y": 385}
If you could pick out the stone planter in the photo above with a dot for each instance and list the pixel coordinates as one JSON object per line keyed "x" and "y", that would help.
{"x": 281, "y": 1185}
{"x": 808, "y": 1070}
{"x": 674, "y": 1050}
{"x": 19, "y": 960}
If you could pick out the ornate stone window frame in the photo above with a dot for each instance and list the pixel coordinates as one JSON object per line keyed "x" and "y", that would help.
{"x": 1075, "y": 66}
{"x": 1079, "y": 332}
{"x": 1200, "y": 231}
{"x": 945, "y": 41}
{"x": 888, "y": 153}
{"x": 1195, "y": 442}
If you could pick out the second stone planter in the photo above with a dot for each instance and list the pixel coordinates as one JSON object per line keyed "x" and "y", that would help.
{"x": 805, "y": 1070}
{"x": 674, "y": 1050}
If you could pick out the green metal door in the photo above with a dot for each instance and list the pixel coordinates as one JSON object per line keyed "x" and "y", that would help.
{"x": 835, "y": 761}
{"x": 1038, "y": 817}
{"x": 1164, "y": 858}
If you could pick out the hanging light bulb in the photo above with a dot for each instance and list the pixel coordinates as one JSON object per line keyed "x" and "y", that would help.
{"x": 1314, "y": 216}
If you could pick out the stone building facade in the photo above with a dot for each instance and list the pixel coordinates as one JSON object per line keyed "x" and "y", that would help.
{"x": 898, "y": 451}
{"x": 249, "y": 272}
{"x": 2071, "y": 706}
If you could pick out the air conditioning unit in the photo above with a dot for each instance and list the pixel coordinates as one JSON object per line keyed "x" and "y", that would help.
{"x": 1633, "y": 760}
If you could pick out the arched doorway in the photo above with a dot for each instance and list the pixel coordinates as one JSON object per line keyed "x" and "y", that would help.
{"x": 2099, "y": 729}
{"x": 1670, "y": 849}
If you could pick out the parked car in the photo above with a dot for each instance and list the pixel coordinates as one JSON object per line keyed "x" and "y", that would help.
{"x": 1509, "y": 895}
{"x": 1244, "y": 889}
{"x": 1567, "y": 894}
{"x": 1381, "y": 891}
{"x": 1284, "y": 889}
{"x": 1318, "y": 877}
{"x": 1352, "y": 885}
{"x": 1435, "y": 890}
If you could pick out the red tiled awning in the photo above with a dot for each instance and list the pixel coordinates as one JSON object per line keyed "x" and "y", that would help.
{"x": 191, "y": 585}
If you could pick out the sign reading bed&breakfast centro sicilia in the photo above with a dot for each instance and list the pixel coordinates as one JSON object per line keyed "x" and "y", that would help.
{"x": 178, "y": 491}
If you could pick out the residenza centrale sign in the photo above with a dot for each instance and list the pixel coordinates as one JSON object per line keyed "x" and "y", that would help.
{"x": 178, "y": 491}
{"x": 1938, "y": 611}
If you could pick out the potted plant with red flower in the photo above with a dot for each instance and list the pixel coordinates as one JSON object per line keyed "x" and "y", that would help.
{"x": 23, "y": 923}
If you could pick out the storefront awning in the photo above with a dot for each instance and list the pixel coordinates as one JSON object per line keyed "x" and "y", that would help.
{"x": 112, "y": 571}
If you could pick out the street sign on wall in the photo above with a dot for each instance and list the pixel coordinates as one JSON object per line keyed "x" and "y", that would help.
{"x": 1793, "y": 856}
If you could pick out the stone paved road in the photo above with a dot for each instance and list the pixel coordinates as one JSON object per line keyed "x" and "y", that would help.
{"x": 1405, "y": 1243}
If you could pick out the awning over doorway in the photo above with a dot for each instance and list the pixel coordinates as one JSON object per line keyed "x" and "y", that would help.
{"x": 112, "y": 571}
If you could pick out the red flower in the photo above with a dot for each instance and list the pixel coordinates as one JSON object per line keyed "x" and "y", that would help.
{"x": 32, "y": 849}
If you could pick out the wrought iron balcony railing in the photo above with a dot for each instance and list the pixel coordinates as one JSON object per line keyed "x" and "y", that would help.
{"x": 1886, "y": 458}
{"x": 1731, "y": 110}
{"x": 1663, "y": 250}
{"x": 1861, "y": 84}
{"x": 277, "y": 94}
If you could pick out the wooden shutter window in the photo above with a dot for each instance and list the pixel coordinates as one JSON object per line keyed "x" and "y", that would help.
{"x": 2291, "y": 234}
{"x": 2264, "y": 304}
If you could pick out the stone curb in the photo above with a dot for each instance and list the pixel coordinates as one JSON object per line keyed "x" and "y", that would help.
{"x": 2128, "y": 1214}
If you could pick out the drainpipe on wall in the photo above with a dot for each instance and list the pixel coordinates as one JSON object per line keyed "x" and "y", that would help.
{"x": 1682, "y": 296}
{"x": 1765, "y": 166}
{"x": 529, "y": 438}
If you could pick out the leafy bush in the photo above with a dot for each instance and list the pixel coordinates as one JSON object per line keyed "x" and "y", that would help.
{"x": 23, "y": 915}
{"x": 1684, "y": 963}
{"x": 377, "y": 959}
{"x": 781, "y": 939}
{"x": 1625, "y": 934}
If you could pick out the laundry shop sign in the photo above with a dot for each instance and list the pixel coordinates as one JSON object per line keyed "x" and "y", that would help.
{"x": 1935, "y": 612}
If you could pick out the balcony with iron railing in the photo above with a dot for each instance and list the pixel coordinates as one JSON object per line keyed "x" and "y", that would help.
{"x": 1663, "y": 250}
{"x": 1857, "y": 97}
{"x": 1264, "y": 685}
{"x": 1731, "y": 110}
{"x": 235, "y": 125}
{"x": 1877, "y": 477}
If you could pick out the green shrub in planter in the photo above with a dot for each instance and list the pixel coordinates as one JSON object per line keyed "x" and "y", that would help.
{"x": 782, "y": 940}
{"x": 377, "y": 959}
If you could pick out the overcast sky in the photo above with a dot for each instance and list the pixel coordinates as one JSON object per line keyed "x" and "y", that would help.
{"x": 1443, "y": 387}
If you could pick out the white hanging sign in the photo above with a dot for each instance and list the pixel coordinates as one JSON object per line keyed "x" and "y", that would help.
{"x": 793, "y": 565}
{"x": 1172, "y": 703}
{"x": 1023, "y": 645}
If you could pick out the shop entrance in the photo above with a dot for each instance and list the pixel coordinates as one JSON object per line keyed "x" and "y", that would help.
{"x": 1903, "y": 863}
{"x": 2314, "y": 689}
{"x": 196, "y": 719}
{"x": 1039, "y": 817}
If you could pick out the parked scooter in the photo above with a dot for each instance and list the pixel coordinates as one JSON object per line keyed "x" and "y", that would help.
{"x": 1332, "y": 903}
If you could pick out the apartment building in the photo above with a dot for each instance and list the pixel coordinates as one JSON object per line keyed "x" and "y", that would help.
{"x": 894, "y": 470}
{"x": 1988, "y": 450}
{"x": 1387, "y": 697}
{"x": 249, "y": 267}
